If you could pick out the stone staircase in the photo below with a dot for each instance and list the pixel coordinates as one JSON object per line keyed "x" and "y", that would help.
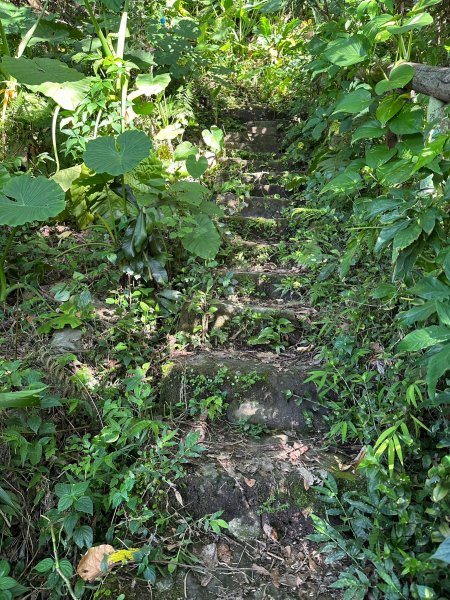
{"x": 254, "y": 358}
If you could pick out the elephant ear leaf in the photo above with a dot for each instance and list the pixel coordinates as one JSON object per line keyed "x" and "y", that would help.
{"x": 203, "y": 239}
{"x": 25, "y": 199}
{"x": 117, "y": 156}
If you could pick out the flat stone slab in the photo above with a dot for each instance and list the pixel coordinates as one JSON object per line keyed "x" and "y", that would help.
{"x": 270, "y": 284}
{"x": 239, "y": 321}
{"x": 271, "y": 392}
{"x": 265, "y": 207}
{"x": 258, "y": 228}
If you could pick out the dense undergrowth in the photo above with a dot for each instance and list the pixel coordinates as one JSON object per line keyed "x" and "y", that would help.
{"x": 107, "y": 225}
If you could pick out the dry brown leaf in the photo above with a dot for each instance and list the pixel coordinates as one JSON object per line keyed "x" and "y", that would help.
{"x": 224, "y": 553}
{"x": 250, "y": 482}
{"x": 275, "y": 577}
{"x": 290, "y": 580}
{"x": 90, "y": 566}
{"x": 353, "y": 466}
{"x": 301, "y": 448}
{"x": 178, "y": 497}
{"x": 270, "y": 532}
{"x": 312, "y": 565}
{"x": 261, "y": 570}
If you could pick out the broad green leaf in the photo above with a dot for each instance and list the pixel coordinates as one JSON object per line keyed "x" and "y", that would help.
{"x": 21, "y": 399}
{"x": 203, "y": 240}
{"x": 405, "y": 238}
{"x": 395, "y": 172}
{"x": 368, "y": 131}
{"x": 150, "y": 86}
{"x": 59, "y": 322}
{"x": 414, "y": 22}
{"x": 424, "y": 338}
{"x": 44, "y": 565}
{"x": 378, "y": 155}
{"x": 437, "y": 366}
{"x": 409, "y": 120}
{"x": 421, "y": 312}
{"x": 25, "y": 199}
{"x": 347, "y": 51}
{"x": 83, "y": 536}
{"x": 443, "y": 312}
{"x": 443, "y": 551}
{"x": 213, "y": 138}
{"x": 114, "y": 5}
{"x": 398, "y": 78}
{"x": 84, "y": 504}
{"x": 430, "y": 152}
{"x": 389, "y": 107}
{"x": 380, "y": 205}
{"x": 354, "y": 102}
{"x": 195, "y": 167}
{"x": 431, "y": 288}
{"x": 7, "y": 583}
{"x": 184, "y": 150}
{"x": 387, "y": 234}
{"x": 68, "y": 95}
{"x": 66, "y": 86}
{"x": 190, "y": 192}
{"x": 345, "y": 183}
{"x": 170, "y": 132}
{"x": 117, "y": 156}
{"x": 66, "y": 177}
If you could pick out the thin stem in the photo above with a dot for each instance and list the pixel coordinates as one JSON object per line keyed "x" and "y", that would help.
{"x": 104, "y": 42}
{"x": 97, "y": 123}
{"x": 55, "y": 145}
{"x": 3, "y": 290}
{"x": 124, "y": 197}
{"x": 57, "y": 565}
{"x": 5, "y": 44}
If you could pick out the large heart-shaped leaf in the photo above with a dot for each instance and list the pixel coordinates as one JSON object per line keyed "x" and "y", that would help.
{"x": 415, "y": 22}
{"x": 117, "y": 156}
{"x": 409, "y": 120}
{"x": 66, "y": 86}
{"x": 203, "y": 240}
{"x": 398, "y": 78}
{"x": 347, "y": 51}
{"x": 354, "y": 102}
{"x": 195, "y": 167}
{"x": 214, "y": 138}
{"x": 150, "y": 86}
{"x": 25, "y": 199}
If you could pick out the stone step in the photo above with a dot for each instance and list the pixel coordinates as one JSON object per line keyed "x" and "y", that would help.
{"x": 250, "y": 113}
{"x": 232, "y": 321}
{"x": 269, "y": 189}
{"x": 264, "y": 124}
{"x": 262, "y": 145}
{"x": 273, "y": 165}
{"x": 254, "y": 206}
{"x": 276, "y": 285}
{"x": 257, "y": 228}
{"x": 257, "y": 387}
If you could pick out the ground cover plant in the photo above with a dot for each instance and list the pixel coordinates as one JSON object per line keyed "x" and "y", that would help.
{"x": 120, "y": 254}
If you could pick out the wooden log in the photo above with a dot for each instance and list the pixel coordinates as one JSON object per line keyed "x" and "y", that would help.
{"x": 431, "y": 81}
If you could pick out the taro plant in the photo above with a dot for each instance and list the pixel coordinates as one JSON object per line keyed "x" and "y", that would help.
{"x": 23, "y": 200}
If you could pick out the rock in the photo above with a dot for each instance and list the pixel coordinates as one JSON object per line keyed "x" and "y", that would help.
{"x": 258, "y": 227}
{"x": 246, "y": 528}
{"x": 269, "y": 284}
{"x": 67, "y": 340}
{"x": 269, "y": 392}
{"x": 238, "y": 321}
{"x": 264, "y": 207}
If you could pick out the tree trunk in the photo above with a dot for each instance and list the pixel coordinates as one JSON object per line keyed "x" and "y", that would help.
{"x": 431, "y": 81}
